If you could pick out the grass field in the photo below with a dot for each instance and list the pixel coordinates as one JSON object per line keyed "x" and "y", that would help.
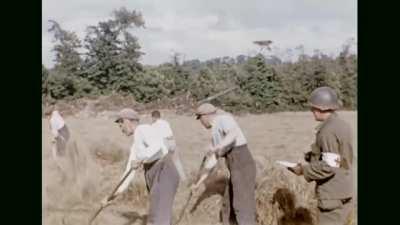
{"x": 271, "y": 137}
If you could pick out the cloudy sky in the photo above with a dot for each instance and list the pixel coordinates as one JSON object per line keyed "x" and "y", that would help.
{"x": 205, "y": 29}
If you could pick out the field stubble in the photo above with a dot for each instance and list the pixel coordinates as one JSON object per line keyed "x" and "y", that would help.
{"x": 271, "y": 137}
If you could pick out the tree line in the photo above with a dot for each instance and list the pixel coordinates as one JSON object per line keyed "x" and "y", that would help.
{"x": 107, "y": 62}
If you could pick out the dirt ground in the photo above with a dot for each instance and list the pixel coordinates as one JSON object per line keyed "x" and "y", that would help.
{"x": 271, "y": 137}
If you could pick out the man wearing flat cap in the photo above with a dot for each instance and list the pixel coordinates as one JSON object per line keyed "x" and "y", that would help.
{"x": 161, "y": 176}
{"x": 330, "y": 161}
{"x": 229, "y": 142}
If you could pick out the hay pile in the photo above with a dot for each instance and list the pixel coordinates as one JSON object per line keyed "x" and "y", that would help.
{"x": 269, "y": 180}
{"x": 70, "y": 183}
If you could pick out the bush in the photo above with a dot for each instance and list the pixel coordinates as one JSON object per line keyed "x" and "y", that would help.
{"x": 263, "y": 86}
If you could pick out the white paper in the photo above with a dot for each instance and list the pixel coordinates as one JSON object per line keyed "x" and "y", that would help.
{"x": 331, "y": 159}
{"x": 286, "y": 163}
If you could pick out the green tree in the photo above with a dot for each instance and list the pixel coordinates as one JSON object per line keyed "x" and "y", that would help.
{"x": 63, "y": 79}
{"x": 67, "y": 57}
{"x": 203, "y": 84}
{"x": 60, "y": 86}
{"x": 45, "y": 77}
{"x": 348, "y": 66}
{"x": 113, "y": 53}
{"x": 262, "y": 83}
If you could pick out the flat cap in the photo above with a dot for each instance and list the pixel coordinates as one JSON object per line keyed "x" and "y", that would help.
{"x": 205, "y": 109}
{"x": 127, "y": 113}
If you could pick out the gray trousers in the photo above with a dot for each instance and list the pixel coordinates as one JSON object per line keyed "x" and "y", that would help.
{"x": 162, "y": 181}
{"x": 239, "y": 205}
{"x": 334, "y": 212}
{"x": 62, "y": 140}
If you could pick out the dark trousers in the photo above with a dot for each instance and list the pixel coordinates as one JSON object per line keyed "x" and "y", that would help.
{"x": 162, "y": 181}
{"x": 62, "y": 140}
{"x": 239, "y": 206}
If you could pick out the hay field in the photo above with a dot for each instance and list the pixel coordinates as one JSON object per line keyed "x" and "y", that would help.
{"x": 279, "y": 136}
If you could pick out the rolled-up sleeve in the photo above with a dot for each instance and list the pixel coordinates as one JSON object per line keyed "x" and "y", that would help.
{"x": 319, "y": 169}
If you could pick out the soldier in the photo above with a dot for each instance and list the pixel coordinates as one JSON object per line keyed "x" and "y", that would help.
{"x": 163, "y": 127}
{"x": 330, "y": 159}
{"x": 229, "y": 142}
{"x": 161, "y": 175}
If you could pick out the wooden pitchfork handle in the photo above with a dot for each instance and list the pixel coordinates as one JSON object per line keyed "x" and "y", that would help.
{"x": 182, "y": 213}
{"x": 112, "y": 193}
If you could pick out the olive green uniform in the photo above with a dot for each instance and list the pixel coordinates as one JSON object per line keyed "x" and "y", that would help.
{"x": 334, "y": 185}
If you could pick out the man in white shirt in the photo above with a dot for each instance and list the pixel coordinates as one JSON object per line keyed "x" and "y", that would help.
{"x": 229, "y": 142}
{"x": 60, "y": 133}
{"x": 163, "y": 127}
{"x": 62, "y": 149}
{"x": 161, "y": 175}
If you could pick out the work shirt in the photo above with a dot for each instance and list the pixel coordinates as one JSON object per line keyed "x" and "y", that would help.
{"x": 334, "y": 179}
{"x": 56, "y": 123}
{"x": 221, "y": 125}
{"x": 148, "y": 146}
{"x": 164, "y": 129}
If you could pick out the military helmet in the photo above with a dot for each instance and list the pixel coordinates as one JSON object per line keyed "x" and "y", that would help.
{"x": 324, "y": 98}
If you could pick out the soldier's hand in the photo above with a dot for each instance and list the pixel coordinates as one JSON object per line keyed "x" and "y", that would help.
{"x": 298, "y": 170}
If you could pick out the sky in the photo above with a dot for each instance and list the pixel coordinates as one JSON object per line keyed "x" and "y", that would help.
{"x": 205, "y": 29}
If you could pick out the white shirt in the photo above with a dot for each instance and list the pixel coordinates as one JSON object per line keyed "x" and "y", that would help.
{"x": 148, "y": 146}
{"x": 221, "y": 125}
{"x": 163, "y": 128}
{"x": 56, "y": 123}
{"x": 148, "y": 143}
